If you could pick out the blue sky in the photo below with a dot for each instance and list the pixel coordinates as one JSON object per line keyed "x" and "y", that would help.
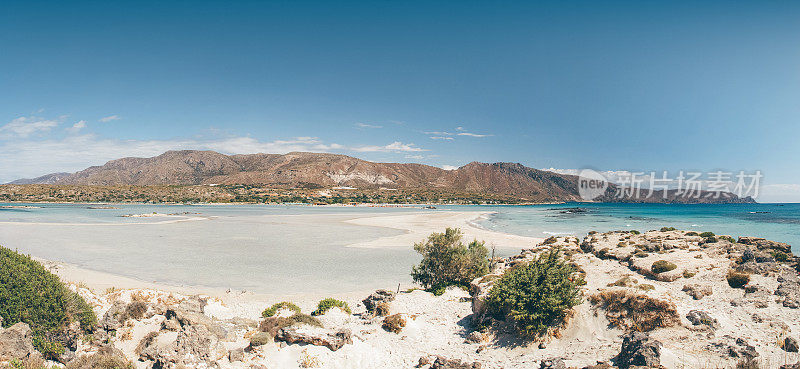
{"x": 638, "y": 85}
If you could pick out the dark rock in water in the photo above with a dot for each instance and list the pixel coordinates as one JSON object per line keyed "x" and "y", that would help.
{"x": 377, "y": 298}
{"x": 16, "y": 343}
{"x": 556, "y": 363}
{"x": 638, "y": 350}
{"x": 698, "y": 317}
{"x": 440, "y": 362}
{"x": 790, "y": 344}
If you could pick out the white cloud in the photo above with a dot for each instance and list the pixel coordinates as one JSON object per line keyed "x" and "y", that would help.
{"x": 473, "y": 134}
{"x": 441, "y": 138}
{"x": 396, "y": 146}
{"x": 779, "y": 193}
{"x": 110, "y": 118}
{"x": 27, "y": 126}
{"x": 364, "y": 125}
{"x": 416, "y": 157}
{"x": 81, "y": 124}
{"x": 449, "y": 167}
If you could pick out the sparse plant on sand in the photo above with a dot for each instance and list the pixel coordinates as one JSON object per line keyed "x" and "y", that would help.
{"x": 446, "y": 261}
{"x": 537, "y": 296}
{"x": 738, "y": 279}
{"x": 636, "y": 312}
{"x": 667, "y": 229}
{"x": 707, "y": 234}
{"x": 272, "y": 310}
{"x": 662, "y": 266}
{"x": 329, "y": 303}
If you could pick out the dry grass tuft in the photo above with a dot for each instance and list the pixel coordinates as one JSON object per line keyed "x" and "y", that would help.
{"x": 636, "y": 312}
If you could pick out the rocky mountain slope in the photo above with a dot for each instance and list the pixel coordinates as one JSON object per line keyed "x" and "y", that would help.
{"x": 321, "y": 170}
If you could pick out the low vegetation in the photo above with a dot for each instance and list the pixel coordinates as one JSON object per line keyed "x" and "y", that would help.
{"x": 103, "y": 359}
{"x": 738, "y": 279}
{"x": 272, "y": 310}
{"x": 537, "y": 296}
{"x": 394, "y": 323}
{"x": 662, "y": 266}
{"x": 707, "y": 234}
{"x": 326, "y": 304}
{"x": 274, "y": 324}
{"x": 667, "y": 229}
{"x": 446, "y": 261}
{"x": 31, "y": 294}
{"x": 636, "y": 312}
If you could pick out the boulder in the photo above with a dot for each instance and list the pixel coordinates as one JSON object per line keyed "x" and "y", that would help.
{"x": 698, "y": 317}
{"x": 555, "y": 363}
{"x": 439, "y": 362}
{"x": 317, "y": 336}
{"x": 236, "y": 355}
{"x": 764, "y": 244}
{"x": 697, "y": 291}
{"x": 638, "y": 349}
{"x": 16, "y": 343}
{"x": 790, "y": 344}
{"x": 378, "y": 297}
{"x": 114, "y": 318}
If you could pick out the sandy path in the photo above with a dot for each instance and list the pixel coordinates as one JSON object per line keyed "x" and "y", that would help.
{"x": 419, "y": 225}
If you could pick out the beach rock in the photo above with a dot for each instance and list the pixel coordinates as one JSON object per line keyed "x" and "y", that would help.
{"x": 599, "y": 365}
{"x": 16, "y": 343}
{"x": 198, "y": 343}
{"x": 378, "y": 297}
{"x": 311, "y": 335}
{"x": 555, "y": 363}
{"x": 790, "y": 344}
{"x": 741, "y": 349}
{"x": 475, "y": 337}
{"x": 114, "y": 317}
{"x": 763, "y": 244}
{"x": 697, "y": 291}
{"x": 236, "y": 355}
{"x": 191, "y": 317}
{"x": 442, "y": 363}
{"x": 638, "y": 349}
{"x": 791, "y": 366}
{"x": 697, "y": 317}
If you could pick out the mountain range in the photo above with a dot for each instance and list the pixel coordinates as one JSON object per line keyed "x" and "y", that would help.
{"x": 324, "y": 170}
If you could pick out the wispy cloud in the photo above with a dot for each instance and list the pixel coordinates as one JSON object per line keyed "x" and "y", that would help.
{"x": 441, "y": 138}
{"x": 27, "y": 126}
{"x": 473, "y": 134}
{"x": 460, "y": 131}
{"x": 368, "y": 126}
{"x": 449, "y": 167}
{"x": 81, "y": 124}
{"x": 396, "y": 146}
{"x": 110, "y": 118}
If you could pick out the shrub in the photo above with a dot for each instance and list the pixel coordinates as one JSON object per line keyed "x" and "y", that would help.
{"x": 662, "y": 266}
{"x": 329, "y": 303}
{"x": 727, "y": 238}
{"x": 691, "y": 234}
{"x": 31, "y": 294}
{"x": 272, "y": 325}
{"x": 667, "y": 229}
{"x": 260, "y": 339}
{"x": 550, "y": 240}
{"x": 646, "y": 287}
{"x": 635, "y": 232}
{"x": 780, "y": 256}
{"x": 688, "y": 274}
{"x": 636, "y": 312}
{"x": 382, "y": 309}
{"x": 711, "y": 239}
{"x": 272, "y": 310}
{"x": 394, "y": 323}
{"x": 537, "y": 296}
{"x": 447, "y": 261}
{"x": 707, "y": 234}
{"x": 105, "y": 358}
{"x": 738, "y": 279}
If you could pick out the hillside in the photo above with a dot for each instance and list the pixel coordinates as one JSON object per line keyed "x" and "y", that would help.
{"x": 302, "y": 170}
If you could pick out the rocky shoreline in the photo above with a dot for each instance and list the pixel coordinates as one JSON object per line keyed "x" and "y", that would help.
{"x": 664, "y": 298}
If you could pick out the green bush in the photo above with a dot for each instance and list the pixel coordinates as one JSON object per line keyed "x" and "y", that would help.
{"x": 711, "y": 239}
{"x": 691, "y": 234}
{"x": 635, "y": 232}
{"x": 446, "y": 261}
{"x": 662, "y": 266}
{"x": 738, "y": 279}
{"x": 707, "y": 234}
{"x": 780, "y": 256}
{"x": 281, "y": 305}
{"x": 538, "y": 295}
{"x": 329, "y": 303}
{"x": 667, "y": 229}
{"x": 727, "y": 238}
{"x": 31, "y": 294}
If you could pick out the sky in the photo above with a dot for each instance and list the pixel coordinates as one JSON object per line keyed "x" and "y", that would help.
{"x": 608, "y": 85}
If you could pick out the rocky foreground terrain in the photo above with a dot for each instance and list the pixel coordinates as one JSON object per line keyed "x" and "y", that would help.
{"x": 666, "y": 298}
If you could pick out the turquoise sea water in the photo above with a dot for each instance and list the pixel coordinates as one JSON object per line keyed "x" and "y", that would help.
{"x": 282, "y": 249}
{"x": 778, "y": 222}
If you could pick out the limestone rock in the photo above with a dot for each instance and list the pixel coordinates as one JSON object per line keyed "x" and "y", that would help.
{"x": 697, "y": 291}
{"x": 698, "y": 317}
{"x": 442, "y": 363}
{"x": 303, "y": 333}
{"x": 790, "y": 344}
{"x": 16, "y": 343}
{"x": 555, "y": 363}
{"x": 378, "y": 297}
{"x": 638, "y": 349}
